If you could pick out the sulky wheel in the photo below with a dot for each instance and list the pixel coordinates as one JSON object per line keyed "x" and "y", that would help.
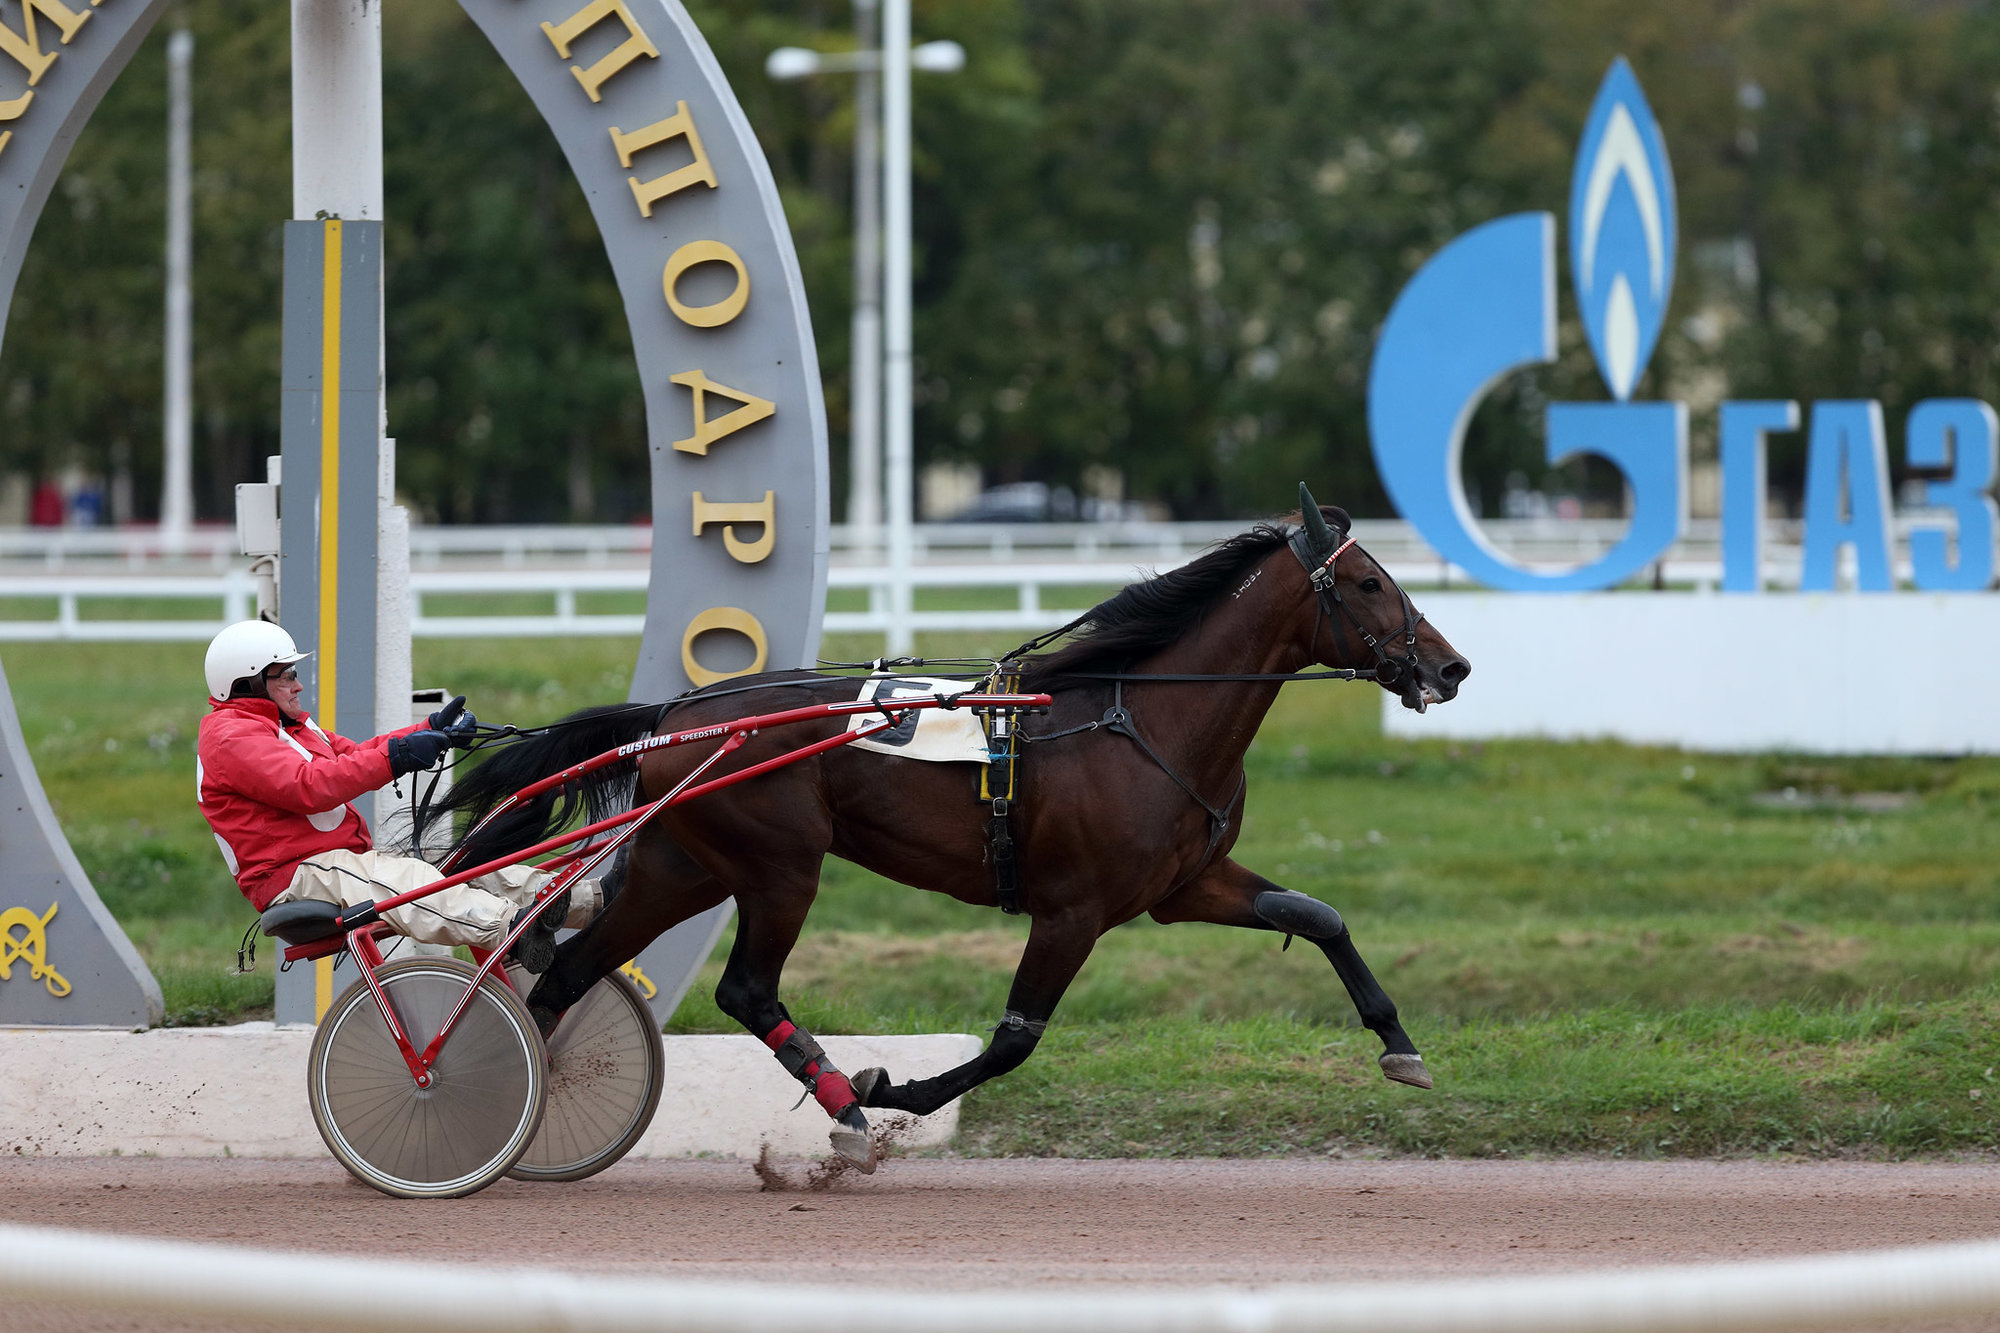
{"x": 606, "y": 1067}
{"x": 482, "y": 1109}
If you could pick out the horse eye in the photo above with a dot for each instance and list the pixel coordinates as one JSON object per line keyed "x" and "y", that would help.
{"x": 1371, "y": 584}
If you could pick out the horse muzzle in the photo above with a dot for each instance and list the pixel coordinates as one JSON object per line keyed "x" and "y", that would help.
{"x": 1425, "y": 684}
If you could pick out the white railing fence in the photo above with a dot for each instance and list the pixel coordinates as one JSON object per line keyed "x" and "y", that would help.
{"x": 210, "y": 1283}
{"x": 1054, "y": 571}
{"x": 84, "y": 550}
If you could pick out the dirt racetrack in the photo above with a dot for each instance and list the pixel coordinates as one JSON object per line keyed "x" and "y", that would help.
{"x": 932, "y": 1223}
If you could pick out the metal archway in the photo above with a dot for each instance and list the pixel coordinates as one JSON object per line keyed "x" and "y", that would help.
{"x": 704, "y": 260}
{"x": 63, "y": 959}
{"x": 716, "y": 304}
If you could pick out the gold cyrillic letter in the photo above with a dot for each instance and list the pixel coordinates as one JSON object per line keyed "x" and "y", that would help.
{"x": 636, "y": 43}
{"x": 12, "y": 111}
{"x": 763, "y": 511}
{"x": 26, "y": 48}
{"x": 718, "y": 619}
{"x": 678, "y": 125}
{"x": 706, "y": 252}
{"x": 706, "y": 430}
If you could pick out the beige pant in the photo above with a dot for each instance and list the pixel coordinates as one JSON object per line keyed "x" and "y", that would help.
{"x": 475, "y": 913}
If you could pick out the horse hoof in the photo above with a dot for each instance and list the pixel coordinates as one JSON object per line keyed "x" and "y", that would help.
{"x": 1406, "y": 1069}
{"x": 867, "y": 1083}
{"x": 856, "y": 1146}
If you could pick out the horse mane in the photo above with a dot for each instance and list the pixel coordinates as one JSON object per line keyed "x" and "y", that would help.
{"x": 1147, "y": 616}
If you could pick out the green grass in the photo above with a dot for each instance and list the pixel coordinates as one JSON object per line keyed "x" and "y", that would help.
{"x": 1599, "y": 947}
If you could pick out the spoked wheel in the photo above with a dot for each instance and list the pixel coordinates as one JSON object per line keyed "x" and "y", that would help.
{"x": 606, "y": 1067}
{"x": 482, "y": 1108}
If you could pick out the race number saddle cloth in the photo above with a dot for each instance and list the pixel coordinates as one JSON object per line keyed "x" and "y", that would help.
{"x": 936, "y": 735}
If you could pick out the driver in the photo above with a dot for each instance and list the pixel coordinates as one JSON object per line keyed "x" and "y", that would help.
{"x": 276, "y": 791}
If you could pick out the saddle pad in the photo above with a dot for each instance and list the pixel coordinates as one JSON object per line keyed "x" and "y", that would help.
{"x": 938, "y": 735}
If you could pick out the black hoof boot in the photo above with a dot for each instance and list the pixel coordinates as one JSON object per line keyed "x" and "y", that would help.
{"x": 867, "y": 1083}
{"x": 536, "y": 949}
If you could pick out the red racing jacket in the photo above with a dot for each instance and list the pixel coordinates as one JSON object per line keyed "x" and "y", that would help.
{"x": 276, "y": 791}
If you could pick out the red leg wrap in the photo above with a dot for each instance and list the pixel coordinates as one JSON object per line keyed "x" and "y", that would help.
{"x": 830, "y": 1087}
{"x": 833, "y": 1092}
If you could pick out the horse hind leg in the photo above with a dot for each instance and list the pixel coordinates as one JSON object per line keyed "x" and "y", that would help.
{"x": 748, "y": 993}
{"x": 807, "y": 1061}
{"x": 651, "y": 887}
{"x": 1056, "y": 950}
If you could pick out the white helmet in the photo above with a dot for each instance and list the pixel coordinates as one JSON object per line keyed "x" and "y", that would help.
{"x": 245, "y": 649}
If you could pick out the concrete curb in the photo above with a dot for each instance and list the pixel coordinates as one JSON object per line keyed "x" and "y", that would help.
{"x": 240, "y": 1091}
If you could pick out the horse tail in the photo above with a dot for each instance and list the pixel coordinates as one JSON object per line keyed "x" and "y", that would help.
{"x": 506, "y": 769}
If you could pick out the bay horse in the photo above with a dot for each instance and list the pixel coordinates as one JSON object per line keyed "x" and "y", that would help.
{"x": 1133, "y": 795}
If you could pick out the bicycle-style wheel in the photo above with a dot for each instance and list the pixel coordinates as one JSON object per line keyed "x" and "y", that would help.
{"x": 485, "y": 1100}
{"x": 606, "y": 1067}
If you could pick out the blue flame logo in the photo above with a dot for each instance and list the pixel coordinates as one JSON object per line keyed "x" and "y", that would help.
{"x": 1621, "y": 230}
{"x": 1484, "y": 307}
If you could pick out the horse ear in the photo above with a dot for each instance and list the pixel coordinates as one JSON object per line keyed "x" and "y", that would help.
{"x": 1317, "y": 532}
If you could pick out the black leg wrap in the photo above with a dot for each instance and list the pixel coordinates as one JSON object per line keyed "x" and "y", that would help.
{"x": 799, "y": 1050}
{"x": 1296, "y": 914}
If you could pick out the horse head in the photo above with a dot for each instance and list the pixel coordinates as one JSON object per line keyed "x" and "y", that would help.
{"x": 1370, "y": 620}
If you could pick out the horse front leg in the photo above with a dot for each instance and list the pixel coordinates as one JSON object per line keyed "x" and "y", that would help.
{"x": 1229, "y": 895}
{"x": 1057, "y": 948}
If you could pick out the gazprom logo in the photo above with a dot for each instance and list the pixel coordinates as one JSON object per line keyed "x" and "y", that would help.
{"x": 1484, "y": 307}
{"x": 1621, "y": 230}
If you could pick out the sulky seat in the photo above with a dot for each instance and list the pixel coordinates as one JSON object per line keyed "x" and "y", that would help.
{"x": 301, "y": 922}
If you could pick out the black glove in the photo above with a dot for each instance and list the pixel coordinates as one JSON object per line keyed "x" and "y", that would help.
{"x": 456, "y": 722}
{"x": 416, "y": 751}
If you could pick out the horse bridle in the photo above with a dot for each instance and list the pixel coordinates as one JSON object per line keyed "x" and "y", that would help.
{"x": 1389, "y": 670}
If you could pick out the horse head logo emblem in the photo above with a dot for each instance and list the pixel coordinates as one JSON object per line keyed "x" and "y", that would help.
{"x": 1485, "y": 306}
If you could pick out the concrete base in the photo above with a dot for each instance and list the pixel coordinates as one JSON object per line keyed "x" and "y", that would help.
{"x": 1821, "y": 673}
{"x": 212, "y": 1092}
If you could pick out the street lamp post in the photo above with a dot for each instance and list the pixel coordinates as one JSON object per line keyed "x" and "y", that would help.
{"x": 880, "y": 370}
{"x": 177, "y": 469}
{"x": 897, "y": 402}
{"x": 864, "y": 498}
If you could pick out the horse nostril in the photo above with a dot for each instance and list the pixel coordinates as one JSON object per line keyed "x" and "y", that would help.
{"x": 1454, "y": 671}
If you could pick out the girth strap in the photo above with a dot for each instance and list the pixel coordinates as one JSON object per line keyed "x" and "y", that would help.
{"x": 1006, "y": 866}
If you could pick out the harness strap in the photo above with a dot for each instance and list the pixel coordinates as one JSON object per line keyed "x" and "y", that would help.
{"x": 999, "y": 777}
{"x": 1118, "y": 719}
{"x": 1006, "y": 866}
